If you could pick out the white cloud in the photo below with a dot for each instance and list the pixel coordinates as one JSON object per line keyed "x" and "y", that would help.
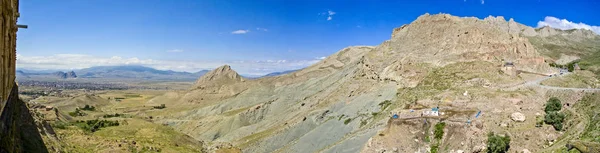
{"x": 321, "y": 58}
{"x": 329, "y": 14}
{"x": 175, "y": 51}
{"x": 565, "y": 24}
{"x": 79, "y": 61}
{"x": 263, "y": 29}
{"x": 240, "y": 32}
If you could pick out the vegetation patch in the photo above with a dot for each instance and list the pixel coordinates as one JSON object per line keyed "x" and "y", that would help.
{"x": 162, "y": 106}
{"x": 497, "y": 143}
{"x": 553, "y": 116}
{"x": 112, "y": 115}
{"x": 88, "y": 108}
{"x": 439, "y": 130}
{"x": 347, "y": 121}
{"x": 87, "y": 126}
{"x": 77, "y": 112}
{"x": 385, "y": 104}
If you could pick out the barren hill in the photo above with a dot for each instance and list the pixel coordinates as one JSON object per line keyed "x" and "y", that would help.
{"x": 341, "y": 102}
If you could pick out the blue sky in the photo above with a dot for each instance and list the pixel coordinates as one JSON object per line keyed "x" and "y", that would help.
{"x": 272, "y": 35}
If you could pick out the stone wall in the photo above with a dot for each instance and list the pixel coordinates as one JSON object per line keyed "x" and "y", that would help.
{"x": 8, "y": 41}
{"x": 18, "y": 131}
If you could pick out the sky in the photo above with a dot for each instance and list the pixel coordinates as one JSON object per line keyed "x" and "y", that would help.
{"x": 254, "y": 37}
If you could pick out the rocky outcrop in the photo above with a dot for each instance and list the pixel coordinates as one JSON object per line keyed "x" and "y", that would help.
{"x": 220, "y": 75}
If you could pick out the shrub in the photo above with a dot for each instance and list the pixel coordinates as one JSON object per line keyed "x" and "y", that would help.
{"x": 497, "y": 144}
{"x": 555, "y": 119}
{"x": 112, "y": 115}
{"x": 439, "y": 130}
{"x": 347, "y": 121}
{"x": 553, "y": 104}
{"x": 162, "y": 106}
{"x": 76, "y": 113}
{"x": 434, "y": 148}
{"x": 88, "y": 108}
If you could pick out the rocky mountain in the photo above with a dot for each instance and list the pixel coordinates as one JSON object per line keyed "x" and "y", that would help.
{"x": 63, "y": 75}
{"x": 344, "y": 102}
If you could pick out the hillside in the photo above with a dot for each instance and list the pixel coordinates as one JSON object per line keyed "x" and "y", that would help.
{"x": 341, "y": 103}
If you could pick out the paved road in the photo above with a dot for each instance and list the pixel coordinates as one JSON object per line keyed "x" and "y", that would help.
{"x": 538, "y": 82}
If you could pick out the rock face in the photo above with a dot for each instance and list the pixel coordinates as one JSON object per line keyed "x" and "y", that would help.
{"x": 517, "y": 117}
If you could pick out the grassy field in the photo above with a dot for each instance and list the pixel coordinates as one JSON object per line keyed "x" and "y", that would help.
{"x": 135, "y": 131}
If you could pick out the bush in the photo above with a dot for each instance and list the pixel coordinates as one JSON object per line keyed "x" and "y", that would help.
{"x": 434, "y": 148}
{"x": 112, "y": 115}
{"x": 553, "y": 104}
{"x": 162, "y": 106}
{"x": 439, "y": 130}
{"x": 76, "y": 113}
{"x": 347, "y": 121}
{"x": 88, "y": 108}
{"x": 497, "y": 144}
{"x": 555, "y": 119}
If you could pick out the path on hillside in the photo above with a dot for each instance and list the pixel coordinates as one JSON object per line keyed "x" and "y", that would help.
{"x": 537, "y": 82}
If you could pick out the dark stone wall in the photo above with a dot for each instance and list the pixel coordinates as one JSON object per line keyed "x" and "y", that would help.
{"x": 8, "y": 45}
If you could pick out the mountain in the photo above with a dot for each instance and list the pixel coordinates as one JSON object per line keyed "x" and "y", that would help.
{"x": 63, "y": 75}
{"x": 279, "y": 73}
{"x": 345, "y": 102}
{"x": 137, "y": 72}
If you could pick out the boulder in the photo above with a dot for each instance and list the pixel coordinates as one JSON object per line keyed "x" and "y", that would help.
{"x": 517, "y": 117}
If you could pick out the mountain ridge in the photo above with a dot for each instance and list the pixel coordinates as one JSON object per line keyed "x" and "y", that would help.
{"x": 340, "y": 103}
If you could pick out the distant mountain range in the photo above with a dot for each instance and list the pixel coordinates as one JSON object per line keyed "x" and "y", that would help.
{"x": 113, "y": 72}
{"x": 137, "y": 72}
{"x": 124, "y": 72}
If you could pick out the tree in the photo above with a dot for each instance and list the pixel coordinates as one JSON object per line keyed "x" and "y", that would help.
{"x": 553, "y": 104}
{"x": 555, "y": 119}
{"x": 497, "y": 144}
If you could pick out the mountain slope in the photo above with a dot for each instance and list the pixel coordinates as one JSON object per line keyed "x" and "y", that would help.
{"x": 340, "y": 103}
